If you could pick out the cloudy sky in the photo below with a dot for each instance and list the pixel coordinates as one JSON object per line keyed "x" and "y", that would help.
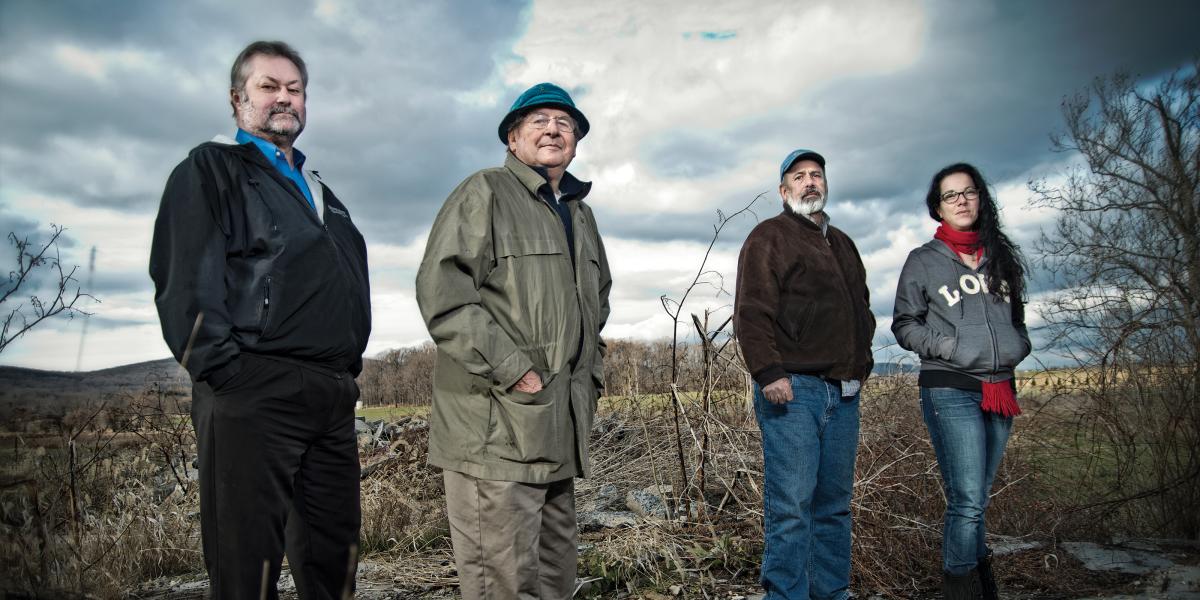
{"x": 692, "y": 104}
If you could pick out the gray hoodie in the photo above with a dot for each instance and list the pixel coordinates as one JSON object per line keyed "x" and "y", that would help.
{"x": 945, "y": 314}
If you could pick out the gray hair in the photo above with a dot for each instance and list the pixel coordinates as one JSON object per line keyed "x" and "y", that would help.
{"x": 240, "y": 70}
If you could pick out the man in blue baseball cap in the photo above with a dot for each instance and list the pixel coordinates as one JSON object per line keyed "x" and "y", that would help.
{"x": 803, "y": 319}
{"x": 514, "y": 290}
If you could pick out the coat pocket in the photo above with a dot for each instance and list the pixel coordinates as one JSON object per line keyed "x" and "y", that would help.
{"x": 972, "y": 348}
{"x": 266, "y": 306}
{"x": 524, "y": 427}
{"x": 796, "y": 319}
{"x": 517, "y": 247}
{"x": 1010, "y": 348}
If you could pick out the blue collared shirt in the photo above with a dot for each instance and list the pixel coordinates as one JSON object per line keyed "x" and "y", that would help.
{"x": 279, "y": 159}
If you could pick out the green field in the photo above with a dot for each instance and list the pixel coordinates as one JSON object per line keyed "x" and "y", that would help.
{"x": 391, "y": 413}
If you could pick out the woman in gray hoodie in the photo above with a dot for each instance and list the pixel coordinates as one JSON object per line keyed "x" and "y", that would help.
{"x": 959, "y": 306}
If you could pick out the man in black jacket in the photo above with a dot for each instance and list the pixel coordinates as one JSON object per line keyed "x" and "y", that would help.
{"x": 261, "y": 287}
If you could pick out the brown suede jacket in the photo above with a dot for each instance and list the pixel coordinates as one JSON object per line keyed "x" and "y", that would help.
{"x": 802, "y": 302}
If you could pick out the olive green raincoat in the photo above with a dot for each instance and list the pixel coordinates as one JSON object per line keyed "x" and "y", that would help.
{"x": 500, "y": 296}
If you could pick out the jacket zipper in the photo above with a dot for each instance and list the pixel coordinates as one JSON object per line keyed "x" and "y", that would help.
{"x": 266, "y": 305}
{"x": 988, "y": 322}
{"x": 845, "y": 289}
{"x": 574, "y": 266}
{"x": 288, "y": 185}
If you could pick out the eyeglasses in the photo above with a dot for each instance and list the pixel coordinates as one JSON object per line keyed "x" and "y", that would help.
{"x": 541, "y": 121}
{"x": 952, "y": 197}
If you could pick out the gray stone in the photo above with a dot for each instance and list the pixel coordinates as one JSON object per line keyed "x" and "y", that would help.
{"x": 1177, "y": 579}
{"x": 360, "y": 426}
{"x": 1101, "y": 558}
{"x": 649, "y": 503}
{"x": 606, "y": 519}
{"x": 1002, "y": 545}
{"x": 607, "y": 497}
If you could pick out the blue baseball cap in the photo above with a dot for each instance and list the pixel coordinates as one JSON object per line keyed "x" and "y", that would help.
{"x": 800, "y": 154}
{"x": 543, "y": 94}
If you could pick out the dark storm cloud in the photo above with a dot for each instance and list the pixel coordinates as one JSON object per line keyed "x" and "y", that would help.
{"x": 694, "y": 227}
{"x": 97, "y": 321}
{"x": 16, "y": 224}
{"x": 394, "y": 124}
{"x": 385, "y": 125}
{"x": 106, "y": 283}
{"x": 690, "y": 154}
{"x": 41, "y": 280}
{"x": 987, "y": 89}
{"x": 35, "y": 233}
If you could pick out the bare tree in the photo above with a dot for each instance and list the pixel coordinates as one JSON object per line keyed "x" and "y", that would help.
{"x": 64, "y": 288}
{"x": 1126, "y": 251}
{"x": 674, "y": 309}
{"x": 399, "y": 376}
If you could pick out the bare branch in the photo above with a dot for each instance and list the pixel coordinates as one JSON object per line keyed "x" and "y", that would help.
{"x": 65, "y": 293}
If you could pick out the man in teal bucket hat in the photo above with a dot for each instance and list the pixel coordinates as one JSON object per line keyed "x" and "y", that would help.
{"x": 514, "y": 290}
{"x": 538, "y": 96}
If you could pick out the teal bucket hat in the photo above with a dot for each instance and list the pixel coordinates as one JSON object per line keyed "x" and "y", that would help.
{"x": 543, "y": 94}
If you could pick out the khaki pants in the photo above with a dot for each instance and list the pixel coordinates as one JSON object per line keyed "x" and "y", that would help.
{"x": 512, "y": 541}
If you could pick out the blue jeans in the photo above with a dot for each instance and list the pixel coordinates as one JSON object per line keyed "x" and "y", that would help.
{"x": 809, "y": 446}
{"x": 969, "y": 444}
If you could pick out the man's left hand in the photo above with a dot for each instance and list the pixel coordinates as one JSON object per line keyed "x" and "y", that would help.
{"x": 529, "y": 383}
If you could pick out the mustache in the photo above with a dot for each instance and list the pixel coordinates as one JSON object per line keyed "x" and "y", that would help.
{"x": 277, "y": 109}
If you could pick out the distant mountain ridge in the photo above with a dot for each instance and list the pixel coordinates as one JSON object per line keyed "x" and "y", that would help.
{"x": 24, "y": 390}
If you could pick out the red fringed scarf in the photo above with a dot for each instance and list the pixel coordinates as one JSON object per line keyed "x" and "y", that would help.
{"x": 1000, "y": 398}
{"x": 962, "y": 242}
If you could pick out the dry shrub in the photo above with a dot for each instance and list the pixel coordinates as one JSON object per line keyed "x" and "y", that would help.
{"x": 1121, "y": 447}
{"x": 135, "y": 521}
{"x": 897, "y": 506}
{"x": 633, "y": 448}
{"x": 899, "y": 502}
{"x": 96, "y": 524}
{"x": 403, "y": 502}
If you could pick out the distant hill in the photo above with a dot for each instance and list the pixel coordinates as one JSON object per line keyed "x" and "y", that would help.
{"x": 34, "y": 391}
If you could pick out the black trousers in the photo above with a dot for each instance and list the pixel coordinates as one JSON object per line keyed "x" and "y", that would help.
{"x": 277, "y": 451}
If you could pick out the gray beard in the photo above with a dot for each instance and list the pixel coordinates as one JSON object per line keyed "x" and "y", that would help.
{"x": 806, "y": 207}
{"x": 269, "y": 128}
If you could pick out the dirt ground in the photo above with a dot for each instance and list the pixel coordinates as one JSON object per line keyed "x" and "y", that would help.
{"x": 1030, "y": 575}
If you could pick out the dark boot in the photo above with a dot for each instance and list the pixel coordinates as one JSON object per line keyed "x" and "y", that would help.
{"x": 962, "y": 587}
{"x": 987, "y": 580}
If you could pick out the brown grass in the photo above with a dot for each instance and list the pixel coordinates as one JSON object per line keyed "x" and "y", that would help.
{"x": 131, "y": 523}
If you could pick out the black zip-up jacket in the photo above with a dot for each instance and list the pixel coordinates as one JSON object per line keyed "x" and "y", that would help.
{"x": 237, "y": 241}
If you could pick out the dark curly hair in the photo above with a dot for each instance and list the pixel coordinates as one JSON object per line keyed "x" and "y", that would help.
{"x": 1005, "y": 267}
